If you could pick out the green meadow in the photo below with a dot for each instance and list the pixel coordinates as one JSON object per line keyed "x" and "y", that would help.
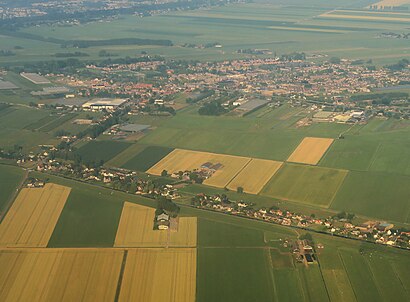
{"x": 306, "y": 184}
{"x": 281, "y": 28}
{"x": 96, "y": 151}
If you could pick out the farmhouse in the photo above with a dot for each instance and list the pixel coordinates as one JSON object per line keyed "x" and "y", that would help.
{"x": 99, "y": 104}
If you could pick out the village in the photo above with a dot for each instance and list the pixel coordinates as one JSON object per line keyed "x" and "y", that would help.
{"x": 341, "y": 224}
{"x": 256, "y": 83}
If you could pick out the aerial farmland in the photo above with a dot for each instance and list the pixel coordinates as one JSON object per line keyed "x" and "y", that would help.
{"x": 205, "y": 151}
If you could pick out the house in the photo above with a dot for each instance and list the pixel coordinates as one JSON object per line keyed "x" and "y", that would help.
{"x": 163, "y": 217}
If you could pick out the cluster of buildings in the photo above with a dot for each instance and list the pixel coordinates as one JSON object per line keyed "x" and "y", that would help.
{"x": 374, "y": 231}
{"x": 255, "y": 81}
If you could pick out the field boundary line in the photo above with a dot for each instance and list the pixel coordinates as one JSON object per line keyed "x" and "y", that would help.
{"x": 121, "y": 276}
{"x": 373, "y": 277}
{"x": 13, "y": 196}
{"x": 240, "y": 170}
{"x": 394, "y": 268}
{"x": 374, "y": 157}
{"x": 347, "y": 274}
{"x": 338, "y": 188}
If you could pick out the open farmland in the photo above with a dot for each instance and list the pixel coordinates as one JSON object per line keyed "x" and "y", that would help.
{"x": 33, "y": 216}
{"x": 136, "y": 230}
{"x": 187, "y": 160}
{"x": 296, "y": 26}
{"x": 310, "y": 150}
{"x": 255, "y": 175}
{"x": 96, "y": 151}
{"x": 159, "y": 275}
{"x": 59, "y": 274}
{"x": 306, "y": 184}
{"x": 144, "y": 159}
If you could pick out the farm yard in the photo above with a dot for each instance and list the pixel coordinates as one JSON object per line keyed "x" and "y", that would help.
{"x": 186, "y": 160}
{"x": 136, "y": 229}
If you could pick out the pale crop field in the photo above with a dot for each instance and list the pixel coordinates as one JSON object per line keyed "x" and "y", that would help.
{"x": 310, "y": 150}
{"x": 392, "y": 2}
{"x": 33, "y": 216}
{"x": 255, "y": 175}
{"x": 187, "y": 160}
{"x": 136, "y": 230}
{"x": 59, "y": 274}
{"x": 159, "y": 275}
{"x": 364, "y": 17}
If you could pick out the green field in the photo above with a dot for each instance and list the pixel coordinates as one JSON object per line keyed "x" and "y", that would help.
{"x": 242, "y": 259}
{"x": 286, "y": 28}
{"x": 96, "y": 151}
{"x": 9, "y": 179}
{"x": 306, "y": 184}
{"x": 14, "y": 124}
{"x": 146, "y": 158}
{"x": 272, "y": 136}
{"x": 379, "y": 195}
{"x": 381, "y": 146}
{"x": 233, "y": 275}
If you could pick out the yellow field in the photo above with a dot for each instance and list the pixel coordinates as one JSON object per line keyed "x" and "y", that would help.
{"x": 307, "y": 29}
{"x": 364, "y": 17}
{"x": 392, "y": 2}
{"x": 159, "y": 275}
{"x": 310, "y": 150}
{"x": 187, "y": 160}
{"x": 136, "y": 230}
{"x": 33, "y": 216}
{"x": 59, "y": 274}
{"x": 255, "y": 175}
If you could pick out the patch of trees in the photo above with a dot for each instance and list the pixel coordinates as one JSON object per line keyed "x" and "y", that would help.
{"x": 123, "y": 41}
{"x": 98, "y": 129}
{"x": 71, "y": 54}
{"x": 166, "y": 205}
{"x": 402, "y": 64}
{"x": 203, "y": 95}
{"x": 293, "y": 56}
{"x": 14, "y": 153}
{"x": 6, "y": 53}
{"x": 212, "y": 108}
{"x": 380, "y": 98}
{"x": 4, "y": 106}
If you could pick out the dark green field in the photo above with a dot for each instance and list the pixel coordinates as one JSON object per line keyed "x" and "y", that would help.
{"x": 146, "y": 158}
{"x": 96, "y": 151}
{"x": 9, "y": 179}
